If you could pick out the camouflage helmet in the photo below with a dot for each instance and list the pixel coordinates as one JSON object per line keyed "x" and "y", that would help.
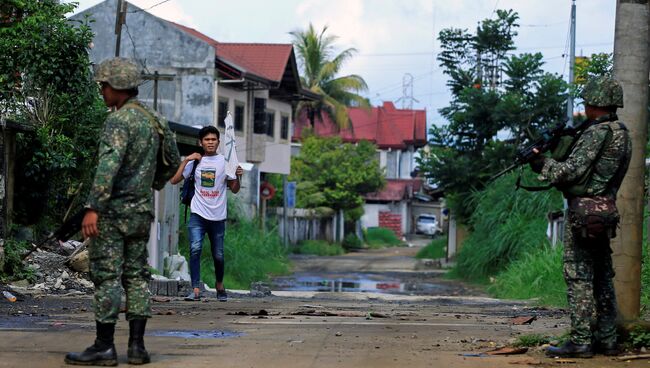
{"x": 120, "y": 73}
{"x": 603, "y": 92}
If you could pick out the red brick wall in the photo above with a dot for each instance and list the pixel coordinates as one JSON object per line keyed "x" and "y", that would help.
{"x": 391, "y": 221}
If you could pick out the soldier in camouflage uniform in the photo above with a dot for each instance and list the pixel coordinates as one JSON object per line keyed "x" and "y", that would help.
{"x": 119, "y": 214}
{"x": 590, "y": 178}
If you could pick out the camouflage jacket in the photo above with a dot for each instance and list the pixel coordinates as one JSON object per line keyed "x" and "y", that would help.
{"x": 603, "y": 148}
{"x": 128, "y": 150}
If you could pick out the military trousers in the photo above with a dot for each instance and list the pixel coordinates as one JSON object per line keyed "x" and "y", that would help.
{"x": 588, "y": 273}
{"x": 118, "y": 264}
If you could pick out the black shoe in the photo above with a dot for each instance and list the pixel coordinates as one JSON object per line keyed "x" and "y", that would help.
{"x": 570, "y": 350}
{"x": 101, "y": 353}
{"x": 137, "y": 354}
{"x": 222, "y": 296}
{"x": 607, "y": 348}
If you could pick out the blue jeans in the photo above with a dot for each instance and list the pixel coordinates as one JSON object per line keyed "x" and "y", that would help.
{"x": 197, "y": 228}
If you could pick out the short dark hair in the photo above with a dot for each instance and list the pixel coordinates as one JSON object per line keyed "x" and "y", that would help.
{"x": 208, "y": 130}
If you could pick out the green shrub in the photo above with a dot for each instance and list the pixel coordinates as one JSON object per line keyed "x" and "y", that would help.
{"x": 639, "y": 337}
{"x": 537, "y": 274}
{"x": 320, "y": 248}
{"x": 352, "y": 241}
{"x": 379, "y": 237}
{"x": 14, "y": 268}
{"x": 436, "y": 249}
{"x": 250, "y": 254}
{"x": 505, "y": 225}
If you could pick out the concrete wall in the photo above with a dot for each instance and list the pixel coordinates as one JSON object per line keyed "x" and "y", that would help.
{"x": 159, "y": 46}
{"x": 370, "y": 216}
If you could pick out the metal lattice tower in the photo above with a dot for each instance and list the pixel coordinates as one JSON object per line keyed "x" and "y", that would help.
{"x": 407, "y": 92}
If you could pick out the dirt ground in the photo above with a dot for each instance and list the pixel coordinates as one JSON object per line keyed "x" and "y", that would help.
{"x": 301, "y": 328}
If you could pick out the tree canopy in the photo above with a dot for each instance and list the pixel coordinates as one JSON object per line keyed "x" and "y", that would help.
{"x": 334, "y": 174}
{"x": 499, "y": 98}
{"x": 320, "y": 66}
{"x": 46, "y": 83}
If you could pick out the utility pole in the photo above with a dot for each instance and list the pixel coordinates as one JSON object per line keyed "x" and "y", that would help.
{"x": 572, "y": 62}
{"x": 120, "y": 18}
{"x": 155, "y": 77}
{"x": 631, "y": 67}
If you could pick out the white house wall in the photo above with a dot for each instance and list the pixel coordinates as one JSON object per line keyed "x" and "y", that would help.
{"x": 278, "y": 151}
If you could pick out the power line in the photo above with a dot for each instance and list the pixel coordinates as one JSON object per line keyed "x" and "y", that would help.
{"x": 149, "y": 8}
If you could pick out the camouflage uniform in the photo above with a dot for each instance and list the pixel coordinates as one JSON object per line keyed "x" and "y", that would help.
{"x": 601, "y": 154}
{"x": 122, "y": 195}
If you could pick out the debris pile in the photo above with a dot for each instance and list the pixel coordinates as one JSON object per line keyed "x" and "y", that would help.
{"x": 54, "y": 273}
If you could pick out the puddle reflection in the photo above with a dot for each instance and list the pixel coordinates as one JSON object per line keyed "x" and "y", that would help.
{"x": 196, "y": 334}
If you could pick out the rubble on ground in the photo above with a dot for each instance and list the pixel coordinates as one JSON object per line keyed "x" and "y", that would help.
{"x": 52, "y": 272}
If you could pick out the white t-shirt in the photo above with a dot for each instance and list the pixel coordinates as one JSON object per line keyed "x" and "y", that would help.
{"x": 209, "y": 199}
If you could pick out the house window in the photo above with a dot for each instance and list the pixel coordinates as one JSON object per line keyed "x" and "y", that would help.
{"x": 239, "y": 117}
{"x": 284, "y": 127}
{"x": 270, "y": 123}
{"x": 223, "y": 109}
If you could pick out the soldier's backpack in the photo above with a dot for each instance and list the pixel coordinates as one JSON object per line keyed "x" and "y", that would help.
{"x": 168, "y": 156}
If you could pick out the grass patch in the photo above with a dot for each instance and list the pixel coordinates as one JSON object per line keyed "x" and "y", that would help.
{"x": 537, "y": 274}
{"x": 250, "y": 254}
{"x": 379, "y": 237}
{"x": 506, "y": 225}
{"x": 436, "y": 249}
{"x": 531, "y": 340}
{"x": 319, "y": 248}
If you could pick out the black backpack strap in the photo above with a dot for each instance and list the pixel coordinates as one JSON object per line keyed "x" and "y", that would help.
{"x": 191, "y": 179}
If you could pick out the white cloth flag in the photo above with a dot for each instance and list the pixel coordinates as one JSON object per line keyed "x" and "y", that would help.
{"x": 229, "y": 148}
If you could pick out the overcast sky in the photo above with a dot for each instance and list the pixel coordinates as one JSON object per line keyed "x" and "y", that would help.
{"x": 395, "y": 37}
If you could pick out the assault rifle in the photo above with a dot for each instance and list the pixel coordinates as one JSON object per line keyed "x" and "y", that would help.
{"x": 64, "y": 232}
{"x": 547, "y": 140}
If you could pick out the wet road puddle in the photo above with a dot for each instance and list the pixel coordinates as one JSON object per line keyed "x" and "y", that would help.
{"x": 356, "y": 282}
{"x": 196, "y": 334}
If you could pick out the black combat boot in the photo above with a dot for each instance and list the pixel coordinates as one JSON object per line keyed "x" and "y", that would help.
{"x": 570, "y": 350}
{"x": 607, "y": 348}
{"x": 137, "y": 353}
{"x": 102, "y": 352}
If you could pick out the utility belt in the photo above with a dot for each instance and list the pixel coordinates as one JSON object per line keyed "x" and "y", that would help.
{"x": 593, "y": 217}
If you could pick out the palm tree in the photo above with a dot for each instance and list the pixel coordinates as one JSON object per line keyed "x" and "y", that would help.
{"x": 319, "y": 75}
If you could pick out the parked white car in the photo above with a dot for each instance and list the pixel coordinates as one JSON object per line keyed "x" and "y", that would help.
{"x": 427, "y": 224}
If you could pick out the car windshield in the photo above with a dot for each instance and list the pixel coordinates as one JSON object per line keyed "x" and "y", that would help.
{"x": 427, "y": 220}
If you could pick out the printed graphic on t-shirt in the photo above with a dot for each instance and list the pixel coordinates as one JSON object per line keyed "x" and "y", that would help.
{"x": 208, "y": 178}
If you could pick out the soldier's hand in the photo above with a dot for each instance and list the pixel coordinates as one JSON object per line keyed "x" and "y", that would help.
{"x": 239, "y": 172}
{"x": 89, "y": 224}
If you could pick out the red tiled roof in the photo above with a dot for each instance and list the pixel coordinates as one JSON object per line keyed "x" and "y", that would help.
{"x": 265, "y": 60}
{"x": 386, "y": 126}
{"x": 396, "y": 190}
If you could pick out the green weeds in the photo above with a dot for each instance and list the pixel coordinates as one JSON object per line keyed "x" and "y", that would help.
{"x": 436, "y": 249}
{"x": 379, "y": 237}
{"x": 320, "y": 248}
{"x": 506, "y": 225}
{"x": 537, "y": 274}
{"x": 531, "y": 340}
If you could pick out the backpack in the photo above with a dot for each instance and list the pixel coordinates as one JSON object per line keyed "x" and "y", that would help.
{"x": 187, "y": 192}
{"x": 168, "y": 156}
